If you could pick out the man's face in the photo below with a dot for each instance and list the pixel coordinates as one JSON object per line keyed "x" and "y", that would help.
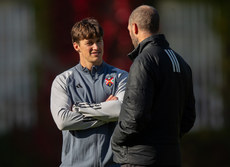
{"x": 91, "y": 51}
{"x": 132, "y": 36}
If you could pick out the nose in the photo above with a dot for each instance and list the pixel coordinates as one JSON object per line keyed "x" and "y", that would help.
{"x": 95, "y": 46}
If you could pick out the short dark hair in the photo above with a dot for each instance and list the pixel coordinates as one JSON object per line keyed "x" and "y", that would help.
{"x": 88, "y": 28}
{"x": 146, "y": 17}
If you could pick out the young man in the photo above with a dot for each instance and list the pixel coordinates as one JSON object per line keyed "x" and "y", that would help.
{"x": 86, "y": 100}
{"x": 159, "y": 106}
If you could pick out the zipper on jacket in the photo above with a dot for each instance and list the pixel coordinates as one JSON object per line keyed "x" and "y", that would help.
{"x": 93, "y": 74}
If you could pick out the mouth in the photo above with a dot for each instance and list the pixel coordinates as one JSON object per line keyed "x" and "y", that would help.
{"x": 95, "y": 53}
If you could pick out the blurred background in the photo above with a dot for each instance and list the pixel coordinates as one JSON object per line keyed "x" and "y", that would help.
{"x": 35, "y": 46}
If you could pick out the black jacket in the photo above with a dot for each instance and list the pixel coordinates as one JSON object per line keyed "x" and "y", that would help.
{"x": 158, "y": 106}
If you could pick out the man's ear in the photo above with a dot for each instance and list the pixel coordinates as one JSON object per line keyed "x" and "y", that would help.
{"x": 135, "y": 28}
{"x": 76, "y": 46}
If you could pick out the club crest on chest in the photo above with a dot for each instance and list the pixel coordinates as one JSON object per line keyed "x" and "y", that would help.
{"x": 109, "y": 81}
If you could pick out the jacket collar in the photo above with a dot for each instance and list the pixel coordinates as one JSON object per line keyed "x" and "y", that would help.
{"x": 95, "y": 69}
{"x": 158, "y": 39}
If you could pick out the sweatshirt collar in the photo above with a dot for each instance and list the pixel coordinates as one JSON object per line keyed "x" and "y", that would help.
{"x": 95, "y": 69}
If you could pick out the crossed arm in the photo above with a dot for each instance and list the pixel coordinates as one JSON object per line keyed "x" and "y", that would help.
{"x": 83, "y": 116}
{"x": 107, "y": 111}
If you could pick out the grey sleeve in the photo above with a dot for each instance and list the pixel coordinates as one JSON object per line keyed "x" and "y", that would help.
{"x": 107, "y": 111}
{"x": 61, "y": 109}
{"x": 120, "y": 91}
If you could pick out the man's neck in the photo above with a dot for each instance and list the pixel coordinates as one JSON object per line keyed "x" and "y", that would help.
{"x": 143, "y": 35}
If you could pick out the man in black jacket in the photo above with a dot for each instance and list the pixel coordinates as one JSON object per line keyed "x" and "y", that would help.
{"x": 159, "y": 105}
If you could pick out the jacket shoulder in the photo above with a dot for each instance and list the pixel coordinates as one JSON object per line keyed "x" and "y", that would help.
{"x": 149, "y": 57}
{"x": 116, "y": 70}
{"x": 63, "y": 77}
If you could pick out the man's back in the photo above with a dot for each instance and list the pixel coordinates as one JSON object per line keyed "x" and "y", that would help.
{"x": 158, "y": 105}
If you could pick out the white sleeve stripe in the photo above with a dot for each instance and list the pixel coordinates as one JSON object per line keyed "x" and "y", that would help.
{"x": 174, "y": 61}
{"x": 177, "y": 63}
{"x": 173, "y": 64}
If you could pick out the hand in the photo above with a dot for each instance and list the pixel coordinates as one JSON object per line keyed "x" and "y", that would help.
{"x": 111, "y": 97}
